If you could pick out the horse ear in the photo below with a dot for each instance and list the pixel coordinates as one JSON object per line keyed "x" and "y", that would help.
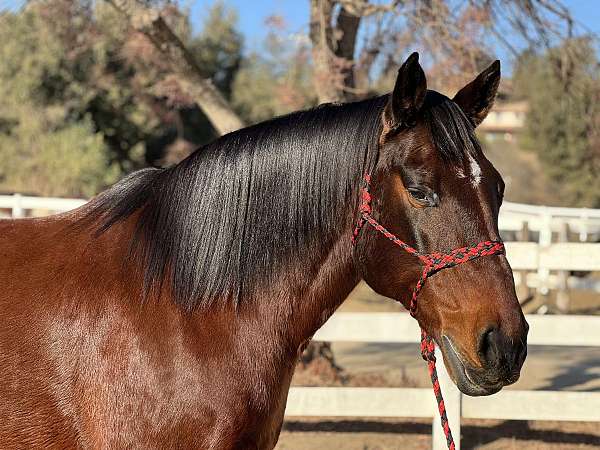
{"x": 408, "y": 96}
{"x": 477, "y": 98}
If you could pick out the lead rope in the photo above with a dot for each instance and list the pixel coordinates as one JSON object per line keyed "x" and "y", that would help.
{"x": 432, "y": 263}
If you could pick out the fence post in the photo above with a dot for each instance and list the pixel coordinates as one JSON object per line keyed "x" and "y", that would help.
{"x": 525, "y": 292}
{"x": 17, "y": 209}
{"x": 545, "y": 240}
{"x": 452, "y": 400}
{"x": 583, "y": 231}
{"x": 563, "y": 300}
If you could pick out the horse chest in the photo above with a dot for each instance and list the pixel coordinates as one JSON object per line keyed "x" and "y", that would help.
{"x": 128, "y": 385}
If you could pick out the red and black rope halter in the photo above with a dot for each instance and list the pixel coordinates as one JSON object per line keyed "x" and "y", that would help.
{"x": 432, "y": 263}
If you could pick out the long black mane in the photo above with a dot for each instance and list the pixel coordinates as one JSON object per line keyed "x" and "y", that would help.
{"x": 239, "y": 209}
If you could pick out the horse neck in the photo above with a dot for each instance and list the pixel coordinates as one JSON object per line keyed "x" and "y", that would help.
{"x": 309, "y": 293}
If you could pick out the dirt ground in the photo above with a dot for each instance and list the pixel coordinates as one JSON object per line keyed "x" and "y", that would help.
{"x": 548, "y": 368}
{"x": 415, "y": 434}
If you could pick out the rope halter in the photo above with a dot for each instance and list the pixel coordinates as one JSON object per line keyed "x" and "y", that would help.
{"x": 432, "y": 263}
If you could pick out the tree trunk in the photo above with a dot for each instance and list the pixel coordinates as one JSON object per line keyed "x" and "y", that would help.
{"x": 338, "y": 77}
{"x": 148, "y": 21}
{"x": 320, "y": 36}
{"x": 333, "y": 50}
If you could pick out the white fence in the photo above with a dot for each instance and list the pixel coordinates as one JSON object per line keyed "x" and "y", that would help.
{"x": 18, "y": 204}
{"x": 557, "y": 256}
{"x": 551, "y": 260}
{"x": 546, "y": 219}
{"x": 420, "y": 402}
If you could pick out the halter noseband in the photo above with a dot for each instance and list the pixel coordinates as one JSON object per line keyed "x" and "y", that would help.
{"x": 432, "y": 263}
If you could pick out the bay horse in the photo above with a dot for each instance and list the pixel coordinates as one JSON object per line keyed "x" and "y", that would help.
{"x": 169, "y": 312}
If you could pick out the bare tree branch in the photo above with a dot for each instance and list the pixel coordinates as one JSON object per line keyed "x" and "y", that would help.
{"x": 457, "y": 36}
{"x": 360, "y": 8}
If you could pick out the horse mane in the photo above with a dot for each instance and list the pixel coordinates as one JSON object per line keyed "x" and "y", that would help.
{"x": 238, "y": 210}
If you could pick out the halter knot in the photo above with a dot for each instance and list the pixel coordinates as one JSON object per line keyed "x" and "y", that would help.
{"x": 365, "y": 206}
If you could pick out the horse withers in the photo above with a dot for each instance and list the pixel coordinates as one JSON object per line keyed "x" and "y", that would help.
{"x": 170, "y": 310}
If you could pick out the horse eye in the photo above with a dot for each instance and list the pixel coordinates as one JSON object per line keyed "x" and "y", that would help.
{"x": 423, "y": 197}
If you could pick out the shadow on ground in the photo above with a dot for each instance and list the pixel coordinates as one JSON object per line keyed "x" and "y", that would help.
{"x": 473, "y": 436}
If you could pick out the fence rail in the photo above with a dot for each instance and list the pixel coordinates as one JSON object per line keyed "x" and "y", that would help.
{"x": 557, "y": 256}
{"x": 548, "y": 219}
{"x": 18, "y": 204}
{"x": 509, "y": 404}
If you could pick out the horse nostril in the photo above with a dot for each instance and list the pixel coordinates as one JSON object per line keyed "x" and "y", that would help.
{"x": 488, "y": 346}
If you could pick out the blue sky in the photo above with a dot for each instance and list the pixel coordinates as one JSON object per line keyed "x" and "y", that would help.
{"x": 252, "y": 14}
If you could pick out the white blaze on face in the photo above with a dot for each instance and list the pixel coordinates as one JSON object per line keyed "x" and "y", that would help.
{"x": 475, "y": 171}
{"x": 460, "y": 173}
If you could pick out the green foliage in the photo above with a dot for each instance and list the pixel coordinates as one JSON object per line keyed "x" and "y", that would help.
{"x": 563, "y": 91}
{"x": 276, "y": 82}
{"x": 47, "y": 146}
{"x": 71, "y": 161}
{"x": 83, "y": 98}
{"x": 218, "y": 47}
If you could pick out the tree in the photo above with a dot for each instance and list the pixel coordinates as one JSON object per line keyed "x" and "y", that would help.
{"x": 48, "y": 144}
{"x": 186, "y": 71}
{"x": 562, "y": 86}
{"x": 69, "y": 161}
{"x": 218, "y": 48}
{"x": 217, "y": 52}
{"x": 79, "y": 70}
{"x": 456, "y": 38}
{"x": 277, "y": 80}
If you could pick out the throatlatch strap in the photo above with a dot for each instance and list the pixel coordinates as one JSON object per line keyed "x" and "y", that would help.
{"x": 432, "y": 263}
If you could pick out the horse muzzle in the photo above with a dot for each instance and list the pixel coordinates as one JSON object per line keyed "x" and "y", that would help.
{"x": 500, "y": 363}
